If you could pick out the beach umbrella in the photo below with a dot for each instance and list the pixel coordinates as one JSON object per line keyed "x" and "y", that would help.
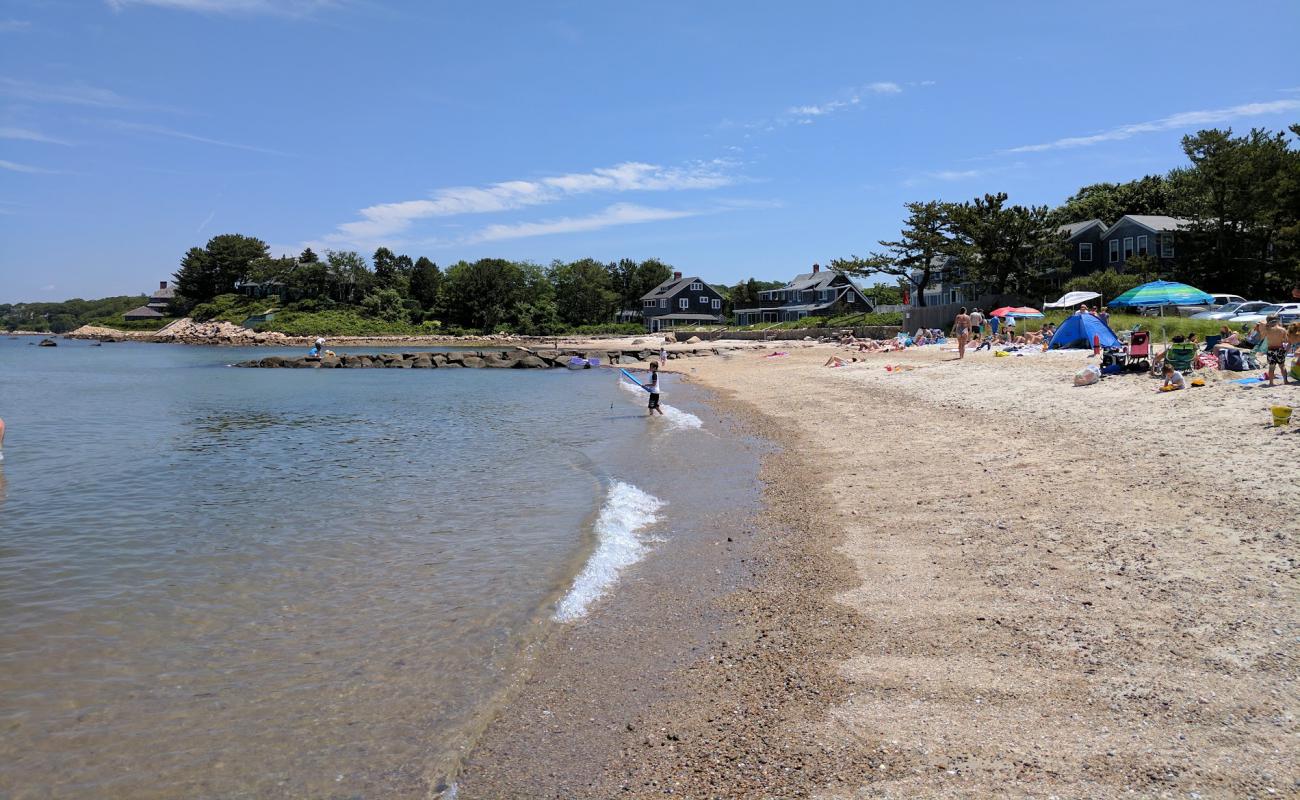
{"x": 1161, "y": 293}
{"x": 1073, "y": 299}
{"x": 1015, "y": 311}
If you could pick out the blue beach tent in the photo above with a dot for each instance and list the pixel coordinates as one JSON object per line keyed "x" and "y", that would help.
{"x": 1077, "y": 331}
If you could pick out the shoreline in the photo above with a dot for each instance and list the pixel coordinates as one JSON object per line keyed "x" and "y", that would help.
{"x": 973, "y": 578}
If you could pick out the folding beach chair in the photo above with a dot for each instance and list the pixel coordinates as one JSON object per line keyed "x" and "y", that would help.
{"x": 1181, "y": 355}
{"x": 1211, "y": 341}
{"x": 1138, "y": 349}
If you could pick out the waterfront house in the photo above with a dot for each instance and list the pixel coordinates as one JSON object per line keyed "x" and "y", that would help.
{"x": 820, "y": 293}
{"x": 681, "y": 301}
{"x": 1141, "y": 235}
{"x": 159, "y": 301}
{"x": 1084, "y": 248}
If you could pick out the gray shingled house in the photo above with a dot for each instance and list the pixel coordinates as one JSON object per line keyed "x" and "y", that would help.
{"x": 679, "y": 302}
{"x": 157, "y": 306}
{"x": 820, "y": 293}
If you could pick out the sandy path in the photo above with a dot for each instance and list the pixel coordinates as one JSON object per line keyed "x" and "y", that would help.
{"x": 1070, "y": 591}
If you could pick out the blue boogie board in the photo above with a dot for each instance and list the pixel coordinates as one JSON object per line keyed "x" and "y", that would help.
{"x": 634, "y": 380}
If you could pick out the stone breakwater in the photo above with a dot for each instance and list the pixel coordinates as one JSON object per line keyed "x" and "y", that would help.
{"x": 517, "y": 358}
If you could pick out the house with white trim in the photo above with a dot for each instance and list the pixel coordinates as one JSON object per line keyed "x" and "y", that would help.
{"x": 681, "y": 301}
{"x": 820, "y": 293}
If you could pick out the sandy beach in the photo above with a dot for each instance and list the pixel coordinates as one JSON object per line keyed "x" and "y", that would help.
{"x": 971, "y": 579}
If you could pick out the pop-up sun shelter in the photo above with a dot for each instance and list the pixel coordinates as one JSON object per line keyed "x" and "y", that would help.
{"x": 1077, "y": 331}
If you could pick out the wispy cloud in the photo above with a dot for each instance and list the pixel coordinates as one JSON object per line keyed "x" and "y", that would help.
{"x": 77, "y": 94}
{"x": 884, "y": 87}
{"x": 387, "y": 219}
{"x": 14, "y": 25}
{"x": 617, "y": 214}
{"x": 290, "y": 8}
{"x": 158, "y": 130}
{"x": 205, "y": 221}
{"x": 803, "y": 114}
{"x": 823, "y": 109}
{"x": 27, "y": 168}
{"x": 956, "y": 175}
{"x": 1186, "y": 119}
{"x": 28, "y": 135}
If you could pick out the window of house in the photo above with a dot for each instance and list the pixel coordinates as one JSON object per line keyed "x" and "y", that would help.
{"x": 1166, "y": 245}
{"x": 1142, "y": 245}
{"x": 1128, "y": 246}
{"x": 663, "y": 303}
{"x": 717, "y": 304}
{"x": 1114, "y": 250}
{"x": 697, "y": 287}
{"x": 1085, "y": 251}
{"x": 685, "y": 302}
{"x": 704, "y": 299}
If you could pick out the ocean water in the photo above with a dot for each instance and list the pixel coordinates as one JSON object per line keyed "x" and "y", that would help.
{"x": 220, "y": 582}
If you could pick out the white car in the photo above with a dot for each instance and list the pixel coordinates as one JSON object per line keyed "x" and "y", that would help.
{"x": 1232, "y": 310}
{"x": 1226, "y": 299}
{"x": 1284, "y": 310}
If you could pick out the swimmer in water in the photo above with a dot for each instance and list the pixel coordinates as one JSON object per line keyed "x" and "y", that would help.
{"x": 2, "y": 440}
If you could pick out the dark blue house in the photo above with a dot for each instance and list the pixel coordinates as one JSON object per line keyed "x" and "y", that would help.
{"x": 681, "y": 301}
{"x": 1084, "y": 245}
{"x": 1141, "y": 235}
{"x": 820, "y": 293}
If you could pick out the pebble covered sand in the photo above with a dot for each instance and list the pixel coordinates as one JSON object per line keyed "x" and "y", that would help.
{"x": 975, "y": 579}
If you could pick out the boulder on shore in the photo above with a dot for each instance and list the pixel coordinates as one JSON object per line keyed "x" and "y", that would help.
{"x": 693, "y": 340}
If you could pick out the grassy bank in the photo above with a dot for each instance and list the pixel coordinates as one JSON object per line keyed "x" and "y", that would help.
{"x": 845, "y": 321}
{"x": 1158, "y": 326}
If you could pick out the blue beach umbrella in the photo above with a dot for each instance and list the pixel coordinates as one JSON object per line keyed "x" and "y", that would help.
{"x": 1161, "y": 293}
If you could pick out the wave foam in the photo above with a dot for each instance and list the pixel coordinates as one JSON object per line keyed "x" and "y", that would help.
{"x": 627, "y": 510}
{"x": 675, "y": 416}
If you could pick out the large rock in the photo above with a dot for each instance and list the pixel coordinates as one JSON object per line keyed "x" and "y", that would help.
{"x": 670, "y": 338}
{"x": 531, "y": 362}
{"x": 422, "y": 361}
{"x": 473, "y": 362}
{"x": 693, "y": 340}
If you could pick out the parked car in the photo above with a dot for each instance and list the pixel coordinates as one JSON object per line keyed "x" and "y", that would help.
{"x": 1232, "y": 309}
{"x": 1175, "y": 310}
{"x": 1226, "y": 299}
{"x": 1259, "y": 315}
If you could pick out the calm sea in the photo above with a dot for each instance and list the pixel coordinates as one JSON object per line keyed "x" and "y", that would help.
{"x": 221, "y": 582}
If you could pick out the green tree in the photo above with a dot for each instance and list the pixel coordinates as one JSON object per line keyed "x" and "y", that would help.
{"x": 1108, "y": 283}
{"x": 228, "y": 257}
{"x": 631, "y": 280}
{"x": 1006, "y": 247}
{"x": 919, "y": 253}
{"x": 195, "y": 280}
{"x": 426, "y": 280}
{"x": 308, "y": 257}
{"x": 385, "y": 304}
{"x": 484, "y": 294}
{"x": 584, "y": 293}
{"x": 385, "y": 264}
{"x": 1108, "y": 202}
{"x": 350, "y": 276}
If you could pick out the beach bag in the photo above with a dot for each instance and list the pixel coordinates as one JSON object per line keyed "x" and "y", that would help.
{"x": 1233, "y": 360}
{"x": 1087, "y": 376}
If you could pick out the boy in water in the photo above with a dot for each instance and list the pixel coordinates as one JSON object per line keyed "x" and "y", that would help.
{"x": 1275, "y": 335}
{"x": 653, "y": 386}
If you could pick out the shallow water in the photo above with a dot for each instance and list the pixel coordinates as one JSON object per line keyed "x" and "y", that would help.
{"x": 253, "y": 583}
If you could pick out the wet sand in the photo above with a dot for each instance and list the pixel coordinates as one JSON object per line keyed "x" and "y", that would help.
{"x": 972, "y": 579}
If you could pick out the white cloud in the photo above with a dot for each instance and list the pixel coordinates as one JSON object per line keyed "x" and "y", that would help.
{"x": 1186, "y": 119}
{"x": 884, "y": 87}
{"x": 852, "y": 99}
{"x": 956, "y": 175}
{"x": 386, "y": 219}
{"x": 292, "y": 8}
{"x": 617, "y": 214}
{"x": 27, "y": 168}
{"x": 77, "y": 94}
{"x": 26, "y": 134}
{"x": 14, "y": 25}
{"x": 157, "y": 130}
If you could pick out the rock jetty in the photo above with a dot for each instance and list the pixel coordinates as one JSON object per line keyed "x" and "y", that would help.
{"x": 516, "y": 358}
{"x": 519, "y": 358}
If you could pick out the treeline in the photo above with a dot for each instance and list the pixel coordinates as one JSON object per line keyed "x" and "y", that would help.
{"x": 1241, "y": 195}
{"x": 65, "y": 316}
{"x": 490, "y": 294}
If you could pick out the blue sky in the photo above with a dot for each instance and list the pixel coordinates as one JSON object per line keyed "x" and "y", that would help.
{"x": 730, "y": 139}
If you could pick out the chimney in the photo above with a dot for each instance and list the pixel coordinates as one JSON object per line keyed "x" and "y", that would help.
{"x": 162, "y": 284}
{"x": 677, "y": 276}
{"x": 817, "y": 268}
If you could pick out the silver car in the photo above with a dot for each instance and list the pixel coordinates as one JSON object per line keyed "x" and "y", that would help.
{"x": 1283, "y": 310}
{"x": 1231, "y": 310}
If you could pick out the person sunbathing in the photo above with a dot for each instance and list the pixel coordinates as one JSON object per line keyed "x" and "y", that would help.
{"x": 834, "y": 361}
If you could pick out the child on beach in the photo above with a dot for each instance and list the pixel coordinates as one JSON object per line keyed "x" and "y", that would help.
{"x": 1276, "y": 338}
{"x": 653, "y": 386}
{"x": 1174, "y": 379}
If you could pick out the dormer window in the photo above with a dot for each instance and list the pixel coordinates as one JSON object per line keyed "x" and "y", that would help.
{"x": 697, "y": 287}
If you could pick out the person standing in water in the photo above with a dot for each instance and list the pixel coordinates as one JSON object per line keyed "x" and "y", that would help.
{"x": 961, "y": 329}
{"x": 2, "y": 440}
{"x": 652, "y": 386}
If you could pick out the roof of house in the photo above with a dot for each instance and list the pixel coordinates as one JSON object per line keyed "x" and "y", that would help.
{"x": 143, "y": 312}
{"x": 1154, "y": 222}
{"x": 163, "y": 293}
{"x": 1073, "y": 229}
{"x": 670, "y": 287}
{"x": 809, "y": 280}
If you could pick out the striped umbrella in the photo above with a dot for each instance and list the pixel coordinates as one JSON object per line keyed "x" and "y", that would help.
{"x": 1161, "y": 293}
{"x": 1014, "y": 311}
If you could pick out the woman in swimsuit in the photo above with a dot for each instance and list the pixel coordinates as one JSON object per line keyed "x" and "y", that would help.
{"x": 961, "y": 327}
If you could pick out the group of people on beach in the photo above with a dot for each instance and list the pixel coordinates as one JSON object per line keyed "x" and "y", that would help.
{"x": 974, "y": 326}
